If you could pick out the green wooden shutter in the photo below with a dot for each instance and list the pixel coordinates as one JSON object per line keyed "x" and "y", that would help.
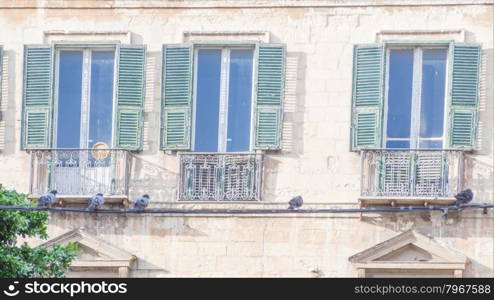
{"x": 176, "y": 100}
{"x": 37, "y": 97}
{"x": 367, "y": 96}
{"x": 130, "y": 96}
{"x": 269, "y": 96}
{"x": 464, "y": 90}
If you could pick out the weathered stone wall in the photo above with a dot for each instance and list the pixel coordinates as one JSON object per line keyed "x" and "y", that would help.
{"x": 274, "y": 245}
{"x": 315, "y": 161}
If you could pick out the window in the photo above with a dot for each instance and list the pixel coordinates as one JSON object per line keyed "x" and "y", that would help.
{"x": 223, "y": 99}
{"x": 78, "y": 101}
{"x": 411, "y": 97}
{"x": 212, "y": 108}
{"x": 416, "y": 98}
{"x": 76, "y": 95}
{"x": 84, "y": 101}
{"x": 210, "y": 102}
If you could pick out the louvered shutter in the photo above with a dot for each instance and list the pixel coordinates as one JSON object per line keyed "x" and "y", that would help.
{"x": 130, "y": 96}
{"x": 269, "y": 96}
{"x": 176, "y": 97}
{"x": 367, "y": 96}
{"x": 37, "y": 97}
{"x": 430, "y": 173}
{"x": 394, "y": 169}
{"x": 464, "y": 90}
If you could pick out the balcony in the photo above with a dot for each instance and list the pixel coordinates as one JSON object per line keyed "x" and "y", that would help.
{"x": 410, "y": 176}
{"x": 220, "y": 177}
{"x": 77, "y": 174}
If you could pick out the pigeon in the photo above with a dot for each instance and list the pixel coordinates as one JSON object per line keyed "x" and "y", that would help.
{"x": 295, "y": 202}
{"x": 96, "y": 201}
{"x": 444, "y": 212}
{"x": 47, "y": 199}
{"x": 464, "y": 197}
{"x": 141, "y": 202}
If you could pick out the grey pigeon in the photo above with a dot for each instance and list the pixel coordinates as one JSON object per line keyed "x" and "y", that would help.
{"x": 295, "y": 202}
{"x": 96, "y": 201}
{"x": 464, "y": 197}
{"x": 48, "y": 199}
{"x": 444, "y": 212}
{"x": 141, "y": 202}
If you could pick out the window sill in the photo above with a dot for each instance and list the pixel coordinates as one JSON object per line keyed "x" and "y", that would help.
{"x": 416, "y": 201}
{"x": 83, "y": 199}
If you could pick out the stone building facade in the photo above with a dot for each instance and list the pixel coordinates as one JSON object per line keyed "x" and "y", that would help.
{"x": 324, "y": 84}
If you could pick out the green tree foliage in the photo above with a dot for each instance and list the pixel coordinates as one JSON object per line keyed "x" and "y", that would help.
{"x": 22, "y": 261}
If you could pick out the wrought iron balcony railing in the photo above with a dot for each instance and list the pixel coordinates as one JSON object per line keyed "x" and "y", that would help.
{"x": 411, "y": 173}
{"x": 220, "y": 176}
{"x": 80, "y": 172}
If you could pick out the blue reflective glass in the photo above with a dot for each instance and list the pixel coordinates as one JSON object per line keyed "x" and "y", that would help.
{"x": 69, "y": 99}
{"x": 430, "y": 144}
{"x": 400, "y": 93}
{"x": 239, "y": 100}
{"x": 101, "y": 97}
{"x": 207, "y": 100}
{"x": 398, "y": 144}
{"x": 432, "y": 98}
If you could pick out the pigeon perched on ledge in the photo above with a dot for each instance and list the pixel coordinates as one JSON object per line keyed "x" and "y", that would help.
{"x": 96, "y": 201}
{"x": 48, "y": 199}
{"x": 142, "y": 202}
{"x": 295, "y": 202}
{"x": 464, "y": 197}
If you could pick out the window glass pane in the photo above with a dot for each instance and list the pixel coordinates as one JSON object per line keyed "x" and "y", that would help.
{"x": 207, "y": 100}
{"x": 432, "y": 98}
{"x": 431, "y": 144}
{"x": 239, "y": 100}
{"x": 69, "y": 99}
{"x": 101, "y": 97}
{"x": 400, "y": 93}
{"x": 398, "y": 144}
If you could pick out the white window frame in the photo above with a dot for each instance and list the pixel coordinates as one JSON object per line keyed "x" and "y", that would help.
{"x": 416, "y": 96}
{"x": 85, "y": 92}
{"x": 224, "y": 92}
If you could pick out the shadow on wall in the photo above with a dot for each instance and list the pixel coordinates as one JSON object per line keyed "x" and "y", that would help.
{"x": 479, "y": 171}
{"x": 478, "y": 177}
{"x": 152, "y": 103}
{"x": 292, "y": 138}
{"x": 136, "y": 38}
{"x": 462, "y": 225}
{"x": 153, "y": 179}
{"x": 484, "y": 130}
{"x": 7, "y": 105}
{"x": 476, "y": 269}
{"x": 294, "y": 105}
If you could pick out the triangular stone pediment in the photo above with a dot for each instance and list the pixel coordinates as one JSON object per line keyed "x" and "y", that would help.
{"x": 91, "y": 254}
{"x": 94, "y": 252}
{"x": 409, "y": 250}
